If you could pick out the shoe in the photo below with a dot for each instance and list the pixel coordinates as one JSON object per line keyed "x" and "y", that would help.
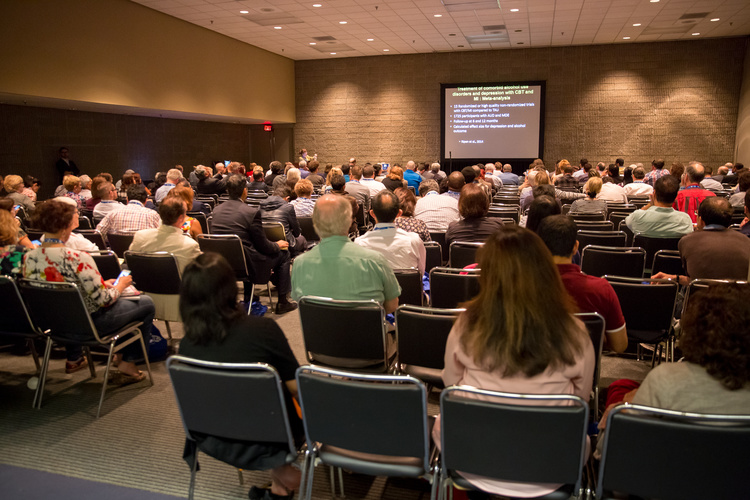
{"x": 257, "y": 493}
{"x": 120, "y": 378}
{"x": 286, "y": 307}
{"x": 74, "y": 366}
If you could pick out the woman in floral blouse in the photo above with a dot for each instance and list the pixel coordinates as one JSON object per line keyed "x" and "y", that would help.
{"x": 407, "y": 221}
{"x": 55, "y": 262}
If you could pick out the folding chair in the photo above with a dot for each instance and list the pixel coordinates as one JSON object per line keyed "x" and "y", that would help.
{"x": 463, "y": 253}
{"x": 696, "y": 456}
{"x": 367, "y": 424}
{"x": 107, "y": 263}
{"x": 16, "y": 321}
{"x": 600, "y": 238}
{"x": 59, "y": 310}
{"x": 434, "y": 255}
{"x": 618, "y": 261}
{"x": 120, "y": 242}
{"x": 201, "y": 218}
{"x": 234, "y": 401}
{"x": 449, "y": 286}
{"x": 620, "y": 208}
{"x": 505, "y": 211}
{"x": 652, "y": 245}
{"x": 595, "y": 324}
{"x": 347, "y": 334}
{"x": 439, "y": 237}
{"x": 84, "y": 222}
{"x": 502, "y": 437}
{"x": 421, "y": 334}
{"x": 93, "y": 236}
{"x": 583, "y": 225}
{"x": 639, "y": 201}
{"x": 410, "y": 281}
{"x": 158, "y": 275}
{"x": 308, "y": 230}
{"x": 594, "y": 216}
{"x": 667, "y": 261}
{"x": 274, "y": 231}
{"x": 616, "y": 217}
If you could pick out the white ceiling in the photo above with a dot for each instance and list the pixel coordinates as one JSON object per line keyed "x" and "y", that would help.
{"x": 410, "y": 26}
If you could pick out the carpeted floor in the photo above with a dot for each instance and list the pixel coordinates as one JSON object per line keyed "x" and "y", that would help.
{"x": 137, "y": 442}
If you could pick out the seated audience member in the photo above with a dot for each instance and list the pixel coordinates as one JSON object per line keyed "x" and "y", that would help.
{"x": 339, "y": 269}
{"x": 401, "y": 249}
{"x": 592, "y": 294}
{"x": 217, "y": 329}
{"x": 543, "y": 206}
{"x": 208, "y": 184}
{"x": 455, "y": 182}
{"x": 691, "y": 193}
{"x": 124, "y": 183}
{"x": 709, "y": 182}
{"x": 356, "y": 188}
{"x": 611, "y": 192}
{"x": 395, "y": 178}
{"x": 291, "y": 178}
{"x": 535, "y": 177}
{"x": 733, "y": 178}
{"x": 333, "y": 172}
{"x": 190, "y": 226}
{"x": 258, "y": 184}
{"x": 699, "y": 249}
{"x": 338, "y": 184}
{"x": 234, "y": 216}
{"x": 54, "y": 261}
{"x": 566, "y": 180}
{"x": 518, "y": 335}
{"x": 303, "y": 204}
{"x": 657, "y": 171}
{"x": 435, "y": 210}
{"x": 85, "y": 188}
{"x": 676, "y": 170}
{"x": 107, "y": 194}
{"x": 96, "y": 182}
{"x": 474, "y": 224}
{"x": 435, "y": 173}
{"x": 75, "y": 241}
{"x": 11, "y": 251}
{"x": 31, "y": 186}
{"x": 658, "y": 219}
{"x": 508, "y": 177}
{"x": 276, "y": 168}
{"x": 318, "y": 181}
{"x": 276, "y": 208}
{"x": 613, "y": 171}
{"x": 8, "y": 205}
{"x": 168, "y": 237}
{"x": 13, "y": 185}
{"x": 173, "y": 177}
{"x": 627, "y": 175}
{"x": 744, "y": 226}
{"x": 489, "y": 176}
{"x": 590, "y": 204}
{"x": 406, "y": 220}
{"x": 638, "y": 187}
{"x": 738, "y": 199}
{"x": 132, "y": 217}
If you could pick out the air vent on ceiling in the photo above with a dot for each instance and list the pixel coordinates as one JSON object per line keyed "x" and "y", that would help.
{"x": 464, "y": 5}
{"x": 665, "y": 30}
{"x": 694, "y": 15}
{"x": 271, "y": 16}
{"x": 323, "y": 38}
{"x": 482, "y": 39}
{"x": 495, "y": 28}
{"x": 332, "y": 46}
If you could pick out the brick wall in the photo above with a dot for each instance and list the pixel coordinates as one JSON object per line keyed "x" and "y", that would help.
{"x": 676, "y": 100}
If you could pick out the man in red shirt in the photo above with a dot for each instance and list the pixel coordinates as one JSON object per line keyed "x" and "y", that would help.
{"x": 691, "y": 193}
{"x": 592, "y": 294}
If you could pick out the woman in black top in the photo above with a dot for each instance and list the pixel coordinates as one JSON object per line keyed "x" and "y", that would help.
{"x": 216, "y": 329}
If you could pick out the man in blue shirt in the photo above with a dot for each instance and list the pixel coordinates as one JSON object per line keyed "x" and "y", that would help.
{"x": 412, "y": 177}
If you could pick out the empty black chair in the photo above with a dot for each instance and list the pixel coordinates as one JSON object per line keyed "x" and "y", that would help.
{"x": 308, "y": 230}
{"x": 639, "y": 201}
{"x": 667, "y": 261}
{"x": 107, "y": 263}
{"x": 618, "y": 261}
{"x": 16, "y": 321}
{"x": 584, "y": 225}
{"x": 120, "y": 242}
{"x": 595, "y": 324}
{"x": 463, "y": 253}
{"x": 620, "y": 208}
{"x": 93, "y": 236}
{"x": 671, "y": 455}
{"x": 421, "y": 334}
{"x": 449, "y": 287}
{"x": 158, "y": 275}
{"x": 201, "y": 218}
{"x": 652, "y": 245}
{"x": 595, "y": 216}
{"x": 505, "y": 212}
{"x": 410, "y": 281}
{"x": 501, "y": 436}
{"x": 601, "y": 238}
{"x": 439, "y": 237}
{"x": 699, "y": 285}
{"x": 628, "y": 233}
{"x": 434, "y": 255}
{"x": 368, "y": 424}
{"x": 210, "y": 200}
{"x": 616, "y": 217}
{"x": 232, "y": 401}
{"x": 346, "y": 334}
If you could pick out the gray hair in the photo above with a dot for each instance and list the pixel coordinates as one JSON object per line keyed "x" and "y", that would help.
{"x": 332, "y": 216}
{"x": 435, "y": 167}
{"x": 85, "y": 181}
{"x": 428, "y": 185}
{"x": 174, "y": 174}
{"x": 293, "y": 175}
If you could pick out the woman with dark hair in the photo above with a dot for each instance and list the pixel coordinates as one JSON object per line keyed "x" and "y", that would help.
{"x": 31, "y": 186}
{"x": 518, "y": 335}
{"x": 127, "y": 180}
{"x": 395, "y": 178}
{"x": 53, "y": 261}
{"x": 627, "y": 176}
{"x": 406, "y": 220}
{"x": 542, "y": 206}
{"x": 474, "y": 225}
{"x": 216, "y": 329}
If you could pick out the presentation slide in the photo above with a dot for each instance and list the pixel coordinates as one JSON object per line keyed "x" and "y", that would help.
{"x": 493, "y": 121}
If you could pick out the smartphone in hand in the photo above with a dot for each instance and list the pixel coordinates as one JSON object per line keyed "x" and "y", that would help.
{"x": 125, "y": 272}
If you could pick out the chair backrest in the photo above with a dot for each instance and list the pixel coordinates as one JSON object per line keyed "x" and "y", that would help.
{"x": 120, "y": 241}
{"x": 434, "y": 255}
{"x": 308, "y": 230}
{"x": 93, "y": 236}
{"x": 698, "y": 285}
{"x": 201, "y": 218}
{"x": 16, "y": 319}
{"x": 595, "y": 325}
{"x": 667, "y": 261}
{"x": 344, "y": 333}
{"x": 620, "y": 208}
{"x": 58, "y": 308}
{"x": 34, "y": 234}
{"x": 616, "y": 218}
{"x": 411, "y": 286}
{"x": 155, "y": 272}
{"x": 505, "y": 211}
{"x": 274, "y": 231}
{"x": 639, "y": 201}
{"x": 597, "y": 225}
{"x": 449, "y": 287}
{"x": 376, "y": 414}
{"x": 421, "y": 334}
{"x": 565, "y": 209}
{"x": 619, "y": 261}
{"x": 463, "y": 253}
{"x": 230, "y": 247}
{"x": 652, "y": 245}
{"x": 647, "y": 305}
{"x": 107, "y": 263}
{"x": 601, "y": 238}
{"x": 439, "y": 236}
{"x": 687, "y": 455}
{"x": 210, "y": 200}
{"x": 502, "y": 437}
{"x": 594, "y": 216}
{"x": 84, "y": 222}
{"x": 236, "y": 401}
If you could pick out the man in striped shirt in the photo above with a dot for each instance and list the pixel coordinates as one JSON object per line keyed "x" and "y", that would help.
{"x": 132, "y": 217}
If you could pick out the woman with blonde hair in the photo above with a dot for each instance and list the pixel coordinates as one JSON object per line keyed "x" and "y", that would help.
{"x": 590, "y": 204}
{"x": 329, "y": 176}
{"x": 518, "y": 335}
{"x": 72, "y": 186}
{"x": 395, "y": 178}
{"x": 13, "y": 184}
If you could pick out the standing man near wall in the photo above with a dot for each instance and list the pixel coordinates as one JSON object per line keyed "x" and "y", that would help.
{"x": 65, "y": 164}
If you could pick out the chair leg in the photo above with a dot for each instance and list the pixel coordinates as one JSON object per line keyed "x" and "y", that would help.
{"x": 92, "y": 370}
{"x": 270, "y": 297}
{"x": 145, "y": 358}
{"x": 34, "y": 354}
{"x": 303, "y": 478}
{"x": 250, "y": 303}
{"x": 333, "y": 481}
{"x": 193, "y": 470}
{"x": 169, "y": 330}
{"x": 341, "y": 482}
{"x": 42, "y": 375}
{"x": 106, "y": 377}
{"x": 239, "y": 475}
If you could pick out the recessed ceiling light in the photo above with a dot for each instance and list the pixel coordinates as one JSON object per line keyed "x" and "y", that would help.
{"x": 313, "y": 43}
{"x": 277, "y": 27}
{"x": 370, "y": 39}
{"x": 654, "y": 1}
{"x": 438, "y": 15}
{"x": 333, "y": 53}
{"x": 514, "y": 10}
{"x": 626, "y": 38}
{"x": 519, "y": 43}
{"x": 342, "y": 22}
{"x": 716, "y": 19}
{"x": 244, "y": 12}
{"x": 451, "y": 34}
{"x": 317, "y": 5}
{"x": 460, "y": 46}
{"x": 386, "y": 50}
{"x": 637, "y": 24}
{"x": 695, "y": 34}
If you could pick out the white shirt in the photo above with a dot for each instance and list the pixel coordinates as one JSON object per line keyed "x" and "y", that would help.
{"x": 77, "y": 241}
{"x": 712, "y": 184}
{"x": 638, "y": 188}
{"x": 436, "y": 211}
{"x": 167, "y": 239}
{"x": 374, "y": 186}
{"x": 612, "y": 192}
{"x": 105, "y": 207}
{"x": 401, "y": 249}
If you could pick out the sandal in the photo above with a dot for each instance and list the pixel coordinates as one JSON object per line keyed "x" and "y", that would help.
{"x": 120, "y": 378}
{"x": 74, "y": 366}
